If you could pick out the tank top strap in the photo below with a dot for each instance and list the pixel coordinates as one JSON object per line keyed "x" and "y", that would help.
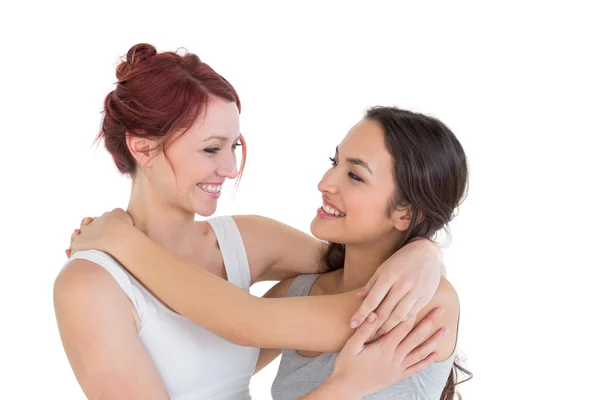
{"x": 120, "y": 275}
{"x": 233, "y": 250}
{"x": 301, "y": 285}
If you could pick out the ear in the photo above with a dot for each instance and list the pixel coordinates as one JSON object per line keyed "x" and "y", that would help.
{"x": 141, "y": 149}
{"x": 402, "y": 217}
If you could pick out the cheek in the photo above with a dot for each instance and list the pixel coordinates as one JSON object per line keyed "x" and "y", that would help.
{"x": 365, "y": 205}
{"x": 369, "y": 216}
{"x": 191, "y": 168}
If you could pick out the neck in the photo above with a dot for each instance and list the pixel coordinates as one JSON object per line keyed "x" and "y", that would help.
{"x": 361, "y": 261}
{"x": 169, "y": 226}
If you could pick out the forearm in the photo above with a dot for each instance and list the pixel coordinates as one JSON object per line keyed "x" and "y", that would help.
{"x": 315, "y": 323}
{"x": 203, "y": 297}
{"x": 332, "y": 389}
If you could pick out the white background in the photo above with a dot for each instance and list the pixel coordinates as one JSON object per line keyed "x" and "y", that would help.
{"x": 516, "y": 81}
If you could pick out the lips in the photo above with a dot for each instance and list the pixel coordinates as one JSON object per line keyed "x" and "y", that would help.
{"x": 210, "y": 187}
{"x": 331, "y": 209}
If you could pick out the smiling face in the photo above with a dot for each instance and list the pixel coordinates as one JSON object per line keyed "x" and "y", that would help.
{"x": 357, "y": 190}
{"x": 190, "y": 172}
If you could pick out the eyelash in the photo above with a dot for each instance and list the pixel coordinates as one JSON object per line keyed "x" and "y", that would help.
{"x": 350, "y": 174}
{"x": 214, "y": 150}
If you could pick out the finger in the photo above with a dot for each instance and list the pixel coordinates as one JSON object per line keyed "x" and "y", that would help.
{"x": 420, "y": 366}
{"x": 68, "y": 253}
{"x": 85, "y": 221}
{"x": 420, "y": 332}
{"x": 400, "y": 313}
{"x": 75, "y": 233}
{"x": 395, "y": 337}
{"x": 422, "y": 302}
{"x": 425, "y": 349}
{"x": 376, "y": 295}
{"x": 363, "y": 334}
{"x": 393, "y": 299}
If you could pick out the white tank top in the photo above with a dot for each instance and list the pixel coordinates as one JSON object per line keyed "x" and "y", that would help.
{"x": 194, "y": 363}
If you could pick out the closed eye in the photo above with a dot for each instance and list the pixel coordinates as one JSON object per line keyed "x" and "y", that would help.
{"x": 355, "y": 177}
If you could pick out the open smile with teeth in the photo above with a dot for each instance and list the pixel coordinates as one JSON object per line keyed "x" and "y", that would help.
{"x": 210, "y": 188}
{"x": 332, "y": 211}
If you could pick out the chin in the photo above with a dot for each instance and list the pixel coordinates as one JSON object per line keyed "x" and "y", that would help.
{"x": 205, "y": 211}
{"x": 202, "y": 208}
{"x": 199, "y": 204}
{"x": 320, "y": 229}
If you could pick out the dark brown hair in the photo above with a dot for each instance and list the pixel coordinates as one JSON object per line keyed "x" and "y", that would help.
{"x": 431, "y": 175}
{"x": 156, "y": 95}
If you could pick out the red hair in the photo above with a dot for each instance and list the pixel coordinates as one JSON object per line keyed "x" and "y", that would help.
{"x": 158, "y": 94}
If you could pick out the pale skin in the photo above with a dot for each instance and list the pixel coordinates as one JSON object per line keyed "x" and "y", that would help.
{"x": 82, "y": 282}
{"x": 325, "y": 316}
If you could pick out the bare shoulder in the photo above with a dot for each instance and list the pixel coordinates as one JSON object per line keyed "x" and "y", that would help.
{"x": 445, "y": 297}
{"x": 99, "y": 333}
{"x": 82, "y": 276}
{"x": 83, "y": 285}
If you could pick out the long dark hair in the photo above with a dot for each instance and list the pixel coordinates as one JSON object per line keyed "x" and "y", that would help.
{"x": 431, "y": 175}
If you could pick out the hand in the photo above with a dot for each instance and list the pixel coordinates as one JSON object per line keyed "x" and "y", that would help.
{"x": 399, "y": 354}
{"x": 402, "y": 285}
{"x": 93, "y": 232}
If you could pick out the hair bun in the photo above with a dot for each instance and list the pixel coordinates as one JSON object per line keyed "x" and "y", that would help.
{"x": 139, "y": 53}
{"x": 136, "y": 54}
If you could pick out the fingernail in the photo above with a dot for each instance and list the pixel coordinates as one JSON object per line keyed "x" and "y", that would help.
{"x": 353, "y": 324}
{"x": 380, "y": 332}
{"x": 444, "y": 332}
{"x": 372, "y": 317}
{"x": 441, "y": 311}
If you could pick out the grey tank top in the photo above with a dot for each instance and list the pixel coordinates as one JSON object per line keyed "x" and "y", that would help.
{"x": 298, "y": 375}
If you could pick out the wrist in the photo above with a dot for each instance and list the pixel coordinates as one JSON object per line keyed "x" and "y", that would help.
{"x": 116, "y": 236}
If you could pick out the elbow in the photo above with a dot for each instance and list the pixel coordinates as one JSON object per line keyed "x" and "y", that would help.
{"x": 240, "y": 339}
